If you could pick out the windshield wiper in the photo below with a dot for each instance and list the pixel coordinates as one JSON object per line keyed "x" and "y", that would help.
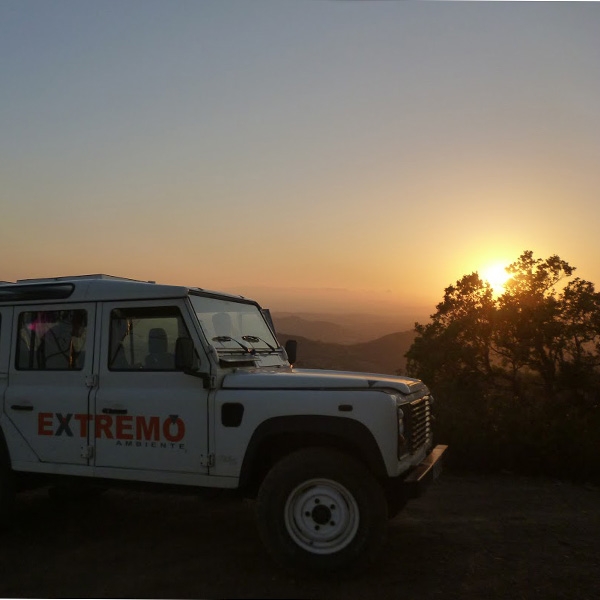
{"x": 254, "y": 339}
{"x": 226, "y": 338}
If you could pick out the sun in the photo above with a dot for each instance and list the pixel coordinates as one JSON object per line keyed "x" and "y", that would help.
{"x": 496, "y": 275}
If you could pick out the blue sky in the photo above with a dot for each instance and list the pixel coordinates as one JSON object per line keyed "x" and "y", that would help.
{"x": 345, "y": 154}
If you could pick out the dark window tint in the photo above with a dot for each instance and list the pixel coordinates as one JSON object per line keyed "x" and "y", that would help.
{"x": 51, "y": 340}
{"x": 144, "y": 339}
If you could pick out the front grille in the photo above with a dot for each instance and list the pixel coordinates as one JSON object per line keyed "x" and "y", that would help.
{"x": 418, "y": 420}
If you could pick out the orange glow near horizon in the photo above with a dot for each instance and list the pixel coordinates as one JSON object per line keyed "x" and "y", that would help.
{"x": 308, "y": 174}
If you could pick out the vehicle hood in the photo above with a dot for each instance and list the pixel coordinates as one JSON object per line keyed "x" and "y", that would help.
{"x": 302, "y": 379}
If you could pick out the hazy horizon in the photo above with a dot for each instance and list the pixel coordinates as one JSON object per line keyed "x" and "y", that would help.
{"x": 330, "y": 156}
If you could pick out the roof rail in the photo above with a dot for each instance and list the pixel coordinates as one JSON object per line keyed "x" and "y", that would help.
{"x": 77, "y": 277}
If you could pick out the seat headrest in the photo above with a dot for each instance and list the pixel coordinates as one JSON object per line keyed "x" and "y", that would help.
{"x": 157, "y": 340}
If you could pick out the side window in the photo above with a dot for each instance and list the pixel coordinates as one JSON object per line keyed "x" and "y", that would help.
{"x": 51, "y": 340}
{"x": 144, "y": 339}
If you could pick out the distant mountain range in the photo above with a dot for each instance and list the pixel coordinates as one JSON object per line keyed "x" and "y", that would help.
{"x": 382, "y": 355}
{"x": 340, "y": 328}
{"x": 347, "y": 342}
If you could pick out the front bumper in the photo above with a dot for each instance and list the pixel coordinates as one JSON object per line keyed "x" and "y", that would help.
{"x": 424, "y": 473}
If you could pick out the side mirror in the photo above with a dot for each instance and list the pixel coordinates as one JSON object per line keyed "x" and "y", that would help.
{"x": 185, "y": 355}
{"x": 291, "y": 349}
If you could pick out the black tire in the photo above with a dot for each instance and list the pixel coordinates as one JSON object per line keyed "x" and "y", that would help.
{"x": 321, "y": 510}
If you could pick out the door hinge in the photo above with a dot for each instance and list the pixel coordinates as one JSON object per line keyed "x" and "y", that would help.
{"x": 87, "y": 452}
{"x": 91, "y": 380}
{"x": 209, "y": 381}
{"x": 207, "y": 460}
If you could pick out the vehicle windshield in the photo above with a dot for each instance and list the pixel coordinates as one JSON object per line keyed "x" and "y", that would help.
{"x": 232, "y": 326}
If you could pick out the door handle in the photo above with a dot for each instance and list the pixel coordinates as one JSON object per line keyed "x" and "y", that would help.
{"x": 27, "y": 407}
{"x": 114, "y": 411}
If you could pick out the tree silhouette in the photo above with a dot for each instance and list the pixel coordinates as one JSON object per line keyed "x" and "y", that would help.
{"x": 531, "y": 334}
{"x": 516, "y": 378}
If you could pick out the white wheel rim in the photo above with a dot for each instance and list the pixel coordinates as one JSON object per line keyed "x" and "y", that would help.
{"x": 321, "y": 516}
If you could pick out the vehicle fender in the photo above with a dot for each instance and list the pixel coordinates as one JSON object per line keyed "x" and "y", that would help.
{"x": 341, "y": 432}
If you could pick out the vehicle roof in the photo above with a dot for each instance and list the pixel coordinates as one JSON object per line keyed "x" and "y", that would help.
{"x": 92, "y": 288}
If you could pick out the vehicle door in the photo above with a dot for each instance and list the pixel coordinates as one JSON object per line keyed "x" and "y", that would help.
{"x": 148, "y": 415}
{"x": 50, "y": 375}
{"x": 5, "y": 325}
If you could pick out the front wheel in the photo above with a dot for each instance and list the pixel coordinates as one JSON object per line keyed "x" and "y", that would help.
{"x": 321, "y": 509}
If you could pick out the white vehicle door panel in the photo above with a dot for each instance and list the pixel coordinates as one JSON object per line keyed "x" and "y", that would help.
{"x": 48, "y": 402}
{"x": 145, "y": 416}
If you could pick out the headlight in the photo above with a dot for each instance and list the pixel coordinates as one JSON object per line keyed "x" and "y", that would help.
{"x": 400, "y": 421}
{"x": 402, "y": 446}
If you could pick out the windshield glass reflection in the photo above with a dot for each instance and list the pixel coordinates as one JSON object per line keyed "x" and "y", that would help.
{"x": 233, "y": 326}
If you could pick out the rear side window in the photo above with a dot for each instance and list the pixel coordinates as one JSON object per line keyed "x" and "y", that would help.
{"x": 51, "y": 340}
{"x": 144, "y": 339}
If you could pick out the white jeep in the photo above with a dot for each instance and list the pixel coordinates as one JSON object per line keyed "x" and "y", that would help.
{"x": 104, "y": 379}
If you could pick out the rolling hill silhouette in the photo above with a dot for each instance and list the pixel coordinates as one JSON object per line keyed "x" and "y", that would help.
{"x": 347, "y": 328}
{"x": 383, "y": 355}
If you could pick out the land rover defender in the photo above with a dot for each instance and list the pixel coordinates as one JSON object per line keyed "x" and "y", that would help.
{"x": 115, "y": 380}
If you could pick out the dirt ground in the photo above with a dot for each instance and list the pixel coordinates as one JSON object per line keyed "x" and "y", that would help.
{"x": 469, "y": 537}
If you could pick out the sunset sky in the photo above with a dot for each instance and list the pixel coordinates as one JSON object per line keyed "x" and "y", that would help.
{"x": 315, "y": 155}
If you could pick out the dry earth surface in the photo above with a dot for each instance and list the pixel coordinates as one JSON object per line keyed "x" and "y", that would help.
{"x": 468, "y": 537}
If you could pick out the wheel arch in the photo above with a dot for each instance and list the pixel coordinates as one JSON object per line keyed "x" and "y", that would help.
{"x": 278, "y": 436}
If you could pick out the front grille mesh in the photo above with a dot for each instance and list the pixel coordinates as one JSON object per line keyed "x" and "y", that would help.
{"x": 418, "y": 421}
